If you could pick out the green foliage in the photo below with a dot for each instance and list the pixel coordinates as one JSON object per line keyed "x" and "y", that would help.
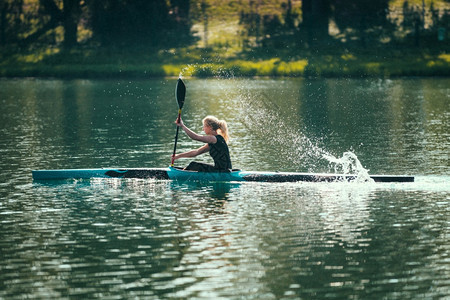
{"x": 52, "y": 62}
{"x": 267, "y": 38}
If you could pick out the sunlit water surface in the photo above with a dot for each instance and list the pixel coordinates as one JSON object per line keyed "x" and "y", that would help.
{"x": 160, "y": 239}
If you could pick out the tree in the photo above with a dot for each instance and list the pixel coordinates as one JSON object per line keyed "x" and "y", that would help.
{"x": 10, "y": 15}
{"x": 51, "y": 15}
{"x": 180, "y": 11}
{"x": 17, "y": 20}
{"x": 361, "y": 18}
{"x": 70, "y": 18}
{"x": 139, "y": 22}
{"x": 316, "y": 14}
{"x": 252, "y": 23}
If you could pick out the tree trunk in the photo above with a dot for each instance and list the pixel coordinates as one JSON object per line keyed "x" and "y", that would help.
{"x": 4, "y": 9}
{"x": 70, "y": 22}
{"x": 315, "y": 19}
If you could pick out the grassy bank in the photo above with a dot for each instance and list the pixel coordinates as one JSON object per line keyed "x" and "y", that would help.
{"x": 110, "y": 63}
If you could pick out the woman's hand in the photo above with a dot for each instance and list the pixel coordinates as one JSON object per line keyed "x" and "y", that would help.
{"x": 179, "y": 122}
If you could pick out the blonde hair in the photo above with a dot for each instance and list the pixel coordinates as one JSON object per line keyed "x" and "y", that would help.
{"x": 217, "y": 124}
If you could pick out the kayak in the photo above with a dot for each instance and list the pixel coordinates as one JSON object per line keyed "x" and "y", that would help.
{"x": 174, "y": 173}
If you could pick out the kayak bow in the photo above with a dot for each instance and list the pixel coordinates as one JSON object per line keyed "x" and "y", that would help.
{"x": 173, "y": 173}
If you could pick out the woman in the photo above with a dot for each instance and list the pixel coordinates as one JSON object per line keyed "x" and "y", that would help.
{"x": 215, "y": 140}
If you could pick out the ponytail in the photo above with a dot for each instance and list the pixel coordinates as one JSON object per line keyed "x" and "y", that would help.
{"x": 217, "y": 124}
{"x": 224, "y": 130}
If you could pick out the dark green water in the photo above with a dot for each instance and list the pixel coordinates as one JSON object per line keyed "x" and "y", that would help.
{"x": 113, "y": 239}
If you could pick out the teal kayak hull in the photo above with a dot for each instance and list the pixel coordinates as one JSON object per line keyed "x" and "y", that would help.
{"x": 172, "y": 173}
{"x": 184, "y": 175}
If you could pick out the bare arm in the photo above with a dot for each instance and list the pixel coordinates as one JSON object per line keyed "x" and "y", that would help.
{"x": 193, "y": 153}
{"x": 197, "y": 137}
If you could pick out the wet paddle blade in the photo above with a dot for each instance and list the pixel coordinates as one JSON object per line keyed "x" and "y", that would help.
{"x": 180, "y": 93}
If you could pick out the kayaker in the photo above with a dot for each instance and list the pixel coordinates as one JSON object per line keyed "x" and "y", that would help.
{"x": 215, "y": 140}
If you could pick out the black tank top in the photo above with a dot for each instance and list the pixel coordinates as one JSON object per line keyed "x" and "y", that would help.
{"x": 220, "y": 153}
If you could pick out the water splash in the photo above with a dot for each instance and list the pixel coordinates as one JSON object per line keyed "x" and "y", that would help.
{"x": 276, "y": 128}
{"x": 349, "y": 164}
{"x": 208, "y": 70}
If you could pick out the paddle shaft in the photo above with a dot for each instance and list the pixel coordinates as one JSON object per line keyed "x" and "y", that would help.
{"x": 176, "y": 138}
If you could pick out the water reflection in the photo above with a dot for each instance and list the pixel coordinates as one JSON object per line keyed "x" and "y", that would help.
{"x": 214, "y": 190}
{"x": 166, "y": 239}
{"x": 313, "y": 101}
{"x": 127, "y": 238}
{"x": 320, "y": 228}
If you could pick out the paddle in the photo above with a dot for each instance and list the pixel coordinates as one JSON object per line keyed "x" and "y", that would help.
{"x": 180, "y": 93}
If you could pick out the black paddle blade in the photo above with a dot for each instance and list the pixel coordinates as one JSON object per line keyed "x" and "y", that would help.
{"x": 180, "y": 93}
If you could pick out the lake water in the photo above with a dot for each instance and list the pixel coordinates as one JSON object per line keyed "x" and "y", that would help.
{"x": 113, "y": 239}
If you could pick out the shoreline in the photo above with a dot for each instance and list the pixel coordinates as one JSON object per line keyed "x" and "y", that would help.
{"x": 57, "y": 74}
{"x": 77, "y": 64}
